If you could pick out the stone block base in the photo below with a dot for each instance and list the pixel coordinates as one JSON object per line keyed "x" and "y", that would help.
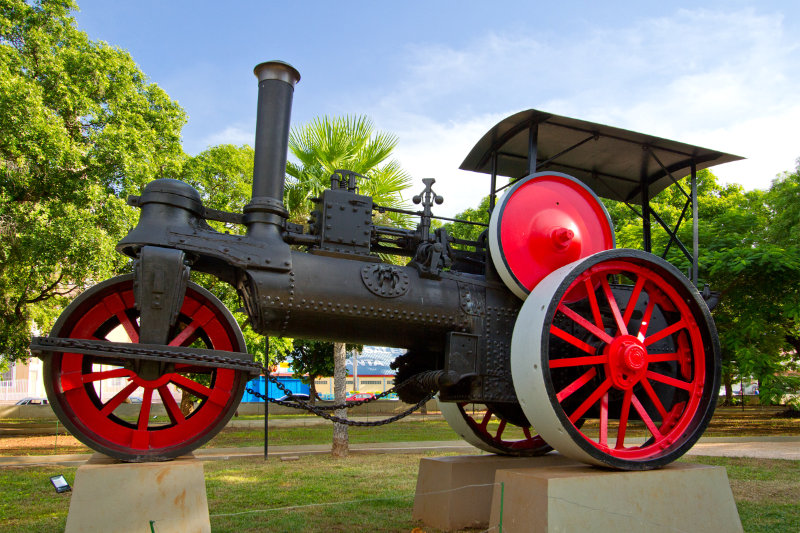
{"x": 456, "y": 492}
{"x": 115, "y": 497}
{"x": 680, "y": 497}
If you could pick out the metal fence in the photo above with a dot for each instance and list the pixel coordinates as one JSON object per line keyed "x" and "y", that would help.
{"x": 11, "y": 391}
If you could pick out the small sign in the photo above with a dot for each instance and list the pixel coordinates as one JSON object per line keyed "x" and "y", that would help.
{"x": 60, "y": 483}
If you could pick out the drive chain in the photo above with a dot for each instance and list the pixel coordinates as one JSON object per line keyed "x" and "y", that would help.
{"x": 319, "y": 411}
{"x": 131, "y": 352}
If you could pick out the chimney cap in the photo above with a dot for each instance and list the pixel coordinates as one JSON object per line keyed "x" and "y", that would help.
{"x": 277, "y": 70}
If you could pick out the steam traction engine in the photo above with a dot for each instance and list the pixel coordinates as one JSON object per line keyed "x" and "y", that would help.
{"x": 610, "y": 354}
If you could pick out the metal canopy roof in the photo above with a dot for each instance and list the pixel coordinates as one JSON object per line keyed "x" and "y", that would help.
{"x": 611, "y": 161}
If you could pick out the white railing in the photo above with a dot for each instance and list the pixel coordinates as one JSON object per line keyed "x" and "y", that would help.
{"x": 11, "y": 391}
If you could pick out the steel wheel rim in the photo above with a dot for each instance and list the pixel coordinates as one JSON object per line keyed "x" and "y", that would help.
{"x": 621, "y": 365}
{"x": 477, "y": 433}
{"x": 70, "y": 377}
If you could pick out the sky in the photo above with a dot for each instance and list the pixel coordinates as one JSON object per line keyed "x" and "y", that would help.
{"x": 723, "y": 75}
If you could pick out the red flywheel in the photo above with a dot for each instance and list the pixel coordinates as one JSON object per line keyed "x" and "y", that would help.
{"x": 543, "y": 222}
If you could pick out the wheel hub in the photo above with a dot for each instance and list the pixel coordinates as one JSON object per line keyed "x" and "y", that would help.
{"x": 627, "y": 361}
{"x": 150, "y": 374}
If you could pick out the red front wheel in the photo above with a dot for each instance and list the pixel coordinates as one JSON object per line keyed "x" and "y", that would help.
{"x": 138, "y": 410}
{"x": 491, "y": 431}
{"x": 621, "y": 343}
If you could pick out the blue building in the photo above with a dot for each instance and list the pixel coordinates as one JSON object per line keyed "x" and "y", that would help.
{"x": 372, "y": 374}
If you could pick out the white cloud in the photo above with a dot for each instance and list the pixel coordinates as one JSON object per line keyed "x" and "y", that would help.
{"x": 722, "y": 80}
{"x": 429, "y": 149}
{"x": 233, "y": 134}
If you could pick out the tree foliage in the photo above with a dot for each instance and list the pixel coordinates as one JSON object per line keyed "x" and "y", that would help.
{"x": 470, "y": 232}
{"x": 82, "y": 127}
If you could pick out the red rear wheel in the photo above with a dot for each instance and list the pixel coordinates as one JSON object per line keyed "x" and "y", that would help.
{"x": 625, "y": 344}
{"x": 92, "y": 395}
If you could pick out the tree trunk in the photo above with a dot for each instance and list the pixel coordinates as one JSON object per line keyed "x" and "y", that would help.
{"x": 341, "y": 440}
{"x": 312, "y": 391}
{"x": 728, "y": 379}
{"x": 187, "y": 405}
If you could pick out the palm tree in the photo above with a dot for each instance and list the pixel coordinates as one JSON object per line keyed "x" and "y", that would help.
{"x": 349, "y": 143}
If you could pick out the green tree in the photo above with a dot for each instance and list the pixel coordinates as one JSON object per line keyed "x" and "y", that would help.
{"x": 311, "y": 360}
{"x": 350, "y": 143}
{"x": 470, "y": 232}
{"x": 82, "y": 127}
{"x": 783, "y": 200}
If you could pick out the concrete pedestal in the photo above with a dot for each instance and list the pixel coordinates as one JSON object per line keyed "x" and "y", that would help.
{"x": 114, "y": 497}
{"x": 456, "y": 492}
{"x": 680, "y": 497}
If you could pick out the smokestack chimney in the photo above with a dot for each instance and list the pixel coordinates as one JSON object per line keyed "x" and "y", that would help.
{"x": 276, "y": 81}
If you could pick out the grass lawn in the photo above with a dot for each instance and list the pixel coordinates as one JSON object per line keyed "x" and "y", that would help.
{"x": 402, "y": 431}
{"x": 727, "y": 422}
{"x": 362, "y": 493}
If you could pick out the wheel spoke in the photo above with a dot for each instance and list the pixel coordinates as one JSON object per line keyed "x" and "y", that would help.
{"x": 685, "y": 385}
{"x": 578, "y": 361}
{"x": 115, "y": 305}
{"x": 648, "y": 314}
{"x": 576, "y": 342}
{"x": 144, "y": 412}
{"x": 577, "y": 384}
{"x": 604, "y": 420}
{"x": 500, "y": 428}
{"x": 598, "y": 317}
{"x": 131, "y": 328}
{"x": 631, "y": 305}
{"x": 655, "y": 399}
{"x": 187, "y": 335}
{"x": 669, "y": 330}
{"x": 591, "y": 328}
{"x": 173, "y": 410}
{"x": 662, "y": 357}
{"x": 623, "y": 419}
{"x": 193, "y": 386}
{"x": 473, "y": 428}
{"x": 117, "y": 399}
{"x": 106, "y": 374}
{"x": 646, "y": 418}
{"x": 612, "y": 303}
{"x": 590, "y": 401}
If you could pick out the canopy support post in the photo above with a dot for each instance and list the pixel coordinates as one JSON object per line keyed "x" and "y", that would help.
{"x": 645, "y": 188}
{"x": 533, "y": 146}
{"x": 695, "y": 229}
{"x": 493, "y": 196}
